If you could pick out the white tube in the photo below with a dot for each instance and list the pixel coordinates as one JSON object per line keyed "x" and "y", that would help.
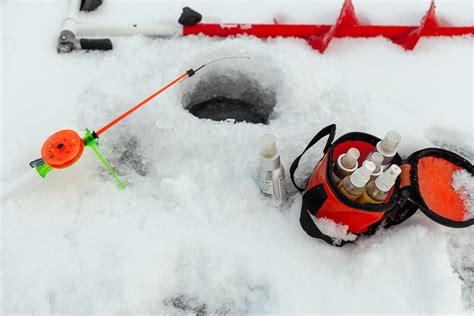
{"x": 70, "y": 22}
{"x": 161, "y": 30}
{"x": 21, "y": 184}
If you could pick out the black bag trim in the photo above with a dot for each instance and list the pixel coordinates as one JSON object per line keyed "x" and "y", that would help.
{"x": 313, "y": 199}
{"x": 416, "y": 197}
{"x": 330, "y": 131}
{"x": 404, "y": 209}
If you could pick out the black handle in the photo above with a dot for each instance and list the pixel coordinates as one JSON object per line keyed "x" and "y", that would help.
{"x": 96, "y": 44}
{"x": 330, "y": 131}
{"x": 36, "y": 163}
{"x": 189, "y": 17}
{"x": 90, "y": 5}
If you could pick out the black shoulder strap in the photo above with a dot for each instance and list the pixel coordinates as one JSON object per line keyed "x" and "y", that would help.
{"x": 330, "y": 131}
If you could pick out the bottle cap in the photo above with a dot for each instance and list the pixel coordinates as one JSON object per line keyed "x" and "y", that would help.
{"x": 348, "y": 161}
{"x": 390, "y": 142}
{"x": 352, "y": 156}
{"x": 361, "y": 176}
{"x": 377, "y": 159}
{"x": 386, "y": 180}
{"x": 268, "y": 145}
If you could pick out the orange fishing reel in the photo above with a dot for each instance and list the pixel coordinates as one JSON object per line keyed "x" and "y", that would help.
{"x": 64, "y": 148}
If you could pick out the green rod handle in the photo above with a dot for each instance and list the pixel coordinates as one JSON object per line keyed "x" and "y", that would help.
{"x": 90, "y": 141}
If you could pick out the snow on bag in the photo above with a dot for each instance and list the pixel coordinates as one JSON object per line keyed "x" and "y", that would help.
{"x": 463, "y": 183}
{"x": 426, "y": 183}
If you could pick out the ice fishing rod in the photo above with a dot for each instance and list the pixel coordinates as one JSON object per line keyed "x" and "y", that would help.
{"x": 65, "y": 147}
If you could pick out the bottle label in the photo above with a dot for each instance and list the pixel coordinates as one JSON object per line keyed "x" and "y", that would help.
{"x": 266, "y": 186}
{"x": 270, "y": 190}
{"x": 366, "y": 199}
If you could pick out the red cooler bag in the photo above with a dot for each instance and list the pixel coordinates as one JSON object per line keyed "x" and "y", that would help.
{"x": 425, "y": 184}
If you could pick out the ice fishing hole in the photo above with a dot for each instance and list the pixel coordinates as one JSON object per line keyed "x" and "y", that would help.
{"x": 230, "y": 96}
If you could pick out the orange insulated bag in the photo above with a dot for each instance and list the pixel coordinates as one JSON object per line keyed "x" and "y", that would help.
{"x": 425, "y": 184}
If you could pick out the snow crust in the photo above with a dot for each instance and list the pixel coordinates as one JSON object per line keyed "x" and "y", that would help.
{"x": 192, "y": 233}
{"x": 463, "y": 183}
{"x": 336, "y": 231}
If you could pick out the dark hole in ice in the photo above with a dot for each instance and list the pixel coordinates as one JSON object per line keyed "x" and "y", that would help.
{"x": 234, "y": 96}
{"x": 223, "y": 108}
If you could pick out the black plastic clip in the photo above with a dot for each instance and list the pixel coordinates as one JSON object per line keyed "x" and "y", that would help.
{"x": 189, "y": 17}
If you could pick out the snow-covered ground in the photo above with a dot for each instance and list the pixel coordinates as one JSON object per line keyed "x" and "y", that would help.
{"x": 192, "y": 233}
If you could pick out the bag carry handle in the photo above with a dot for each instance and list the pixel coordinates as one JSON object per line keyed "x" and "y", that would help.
{"x": 330, "y": 131}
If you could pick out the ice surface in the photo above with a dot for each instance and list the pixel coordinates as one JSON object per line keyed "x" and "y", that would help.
{"x": 191, "y": 232}
{"x": 463, "y": 183}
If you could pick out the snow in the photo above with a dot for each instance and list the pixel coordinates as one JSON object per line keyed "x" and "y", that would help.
{"x": 463, "y": 183}
{"x": 331, "y": 228}
{"x": 192, "y": 233}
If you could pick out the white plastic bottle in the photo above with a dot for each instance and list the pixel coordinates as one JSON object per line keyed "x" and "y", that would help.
{"x": 377, "y": 159}
{"x": 345, "y": 165}
{"x": 388, "y": 147}
{"x": 271, "y": 175}
{"x": 354, "y": 185}
{"x": 377, "y": 190}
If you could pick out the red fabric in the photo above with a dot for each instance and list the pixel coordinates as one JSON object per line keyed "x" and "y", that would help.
{"x": 358, "y": 221}
{"x": 363, "y": 147}
{"x": 405, "y": 180}
{"x": 435, "y": 182}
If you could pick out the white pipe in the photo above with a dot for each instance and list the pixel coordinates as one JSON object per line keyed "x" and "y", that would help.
{"x": 21, "y": 184}
{"x": 161, "y": 30}
{"x": 70, "y": 22}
